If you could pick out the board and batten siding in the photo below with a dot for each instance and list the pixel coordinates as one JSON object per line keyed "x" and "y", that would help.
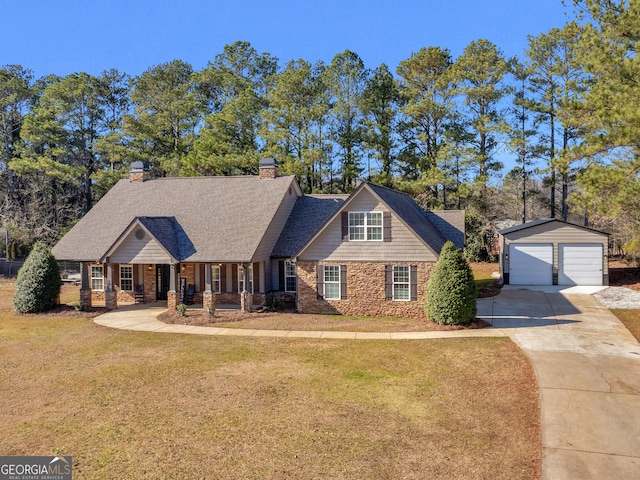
{"x": 555, "y": 233}
{"x": 147, "y": 250}
{"x": 404, "y": 246}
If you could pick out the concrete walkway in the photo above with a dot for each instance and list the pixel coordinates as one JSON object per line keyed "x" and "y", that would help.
{"x": 144, "y": 318}
{"x": 586, "y": 362}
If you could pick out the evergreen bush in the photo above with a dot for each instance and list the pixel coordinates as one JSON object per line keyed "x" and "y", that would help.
{"x": 451, "y": 293}
{"x": 38, "y": 282}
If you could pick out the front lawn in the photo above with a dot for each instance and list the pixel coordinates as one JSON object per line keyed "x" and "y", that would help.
{"x": 144, "y": 405}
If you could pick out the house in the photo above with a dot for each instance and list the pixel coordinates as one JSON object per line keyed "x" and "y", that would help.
{"x": 548, "y": 251}
{"x": 232, "y": 240}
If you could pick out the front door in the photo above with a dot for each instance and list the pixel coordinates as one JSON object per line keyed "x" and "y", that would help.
{"x": 162, "y": 281}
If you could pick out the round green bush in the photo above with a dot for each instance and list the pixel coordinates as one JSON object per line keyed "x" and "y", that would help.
{"x": 451, "y": 293}
{"x": 38, "y": 282}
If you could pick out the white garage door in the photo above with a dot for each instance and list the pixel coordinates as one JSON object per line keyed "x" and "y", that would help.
{"x": 530, "y": 264}
{"x": 580, "y": 264}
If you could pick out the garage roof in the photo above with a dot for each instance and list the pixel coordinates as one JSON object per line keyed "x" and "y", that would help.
{"x": 542, "y": 221}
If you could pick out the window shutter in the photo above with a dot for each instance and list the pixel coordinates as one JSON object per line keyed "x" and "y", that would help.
{"x": 388, "y": 282}
{"x": 281, "y": 285}
{"x": 223, "y": 278}
{"x": 343, "y": 282}
{"x": 345, "y": 226}
{"x": 234, "y": 278}
{"x": 116, "y": 276}
{"x": 256, "y": 277}
{"x": 386, "y": 226}
{"x": 413, "y": 279}
{"x": 320, "y": 281}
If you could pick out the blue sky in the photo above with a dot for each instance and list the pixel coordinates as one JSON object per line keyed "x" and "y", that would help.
{"x": 66, "y": 36}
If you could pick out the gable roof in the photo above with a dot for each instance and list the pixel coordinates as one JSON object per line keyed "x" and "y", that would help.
{"x": 165, "y": 230}
{"x": 412, "y": 216}
{"x": 224, "y": 218}
{"x": 542, "y": 221}
{"x": 405, "y": 208}
{"x": 308, "y": 216}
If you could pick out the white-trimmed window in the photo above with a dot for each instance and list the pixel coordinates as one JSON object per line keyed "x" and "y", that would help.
{"x": 401, "y": 282}
{"x": 332, "y": 282}
{"x": 126, "y": 278}
{"x": 290, "y": 277}
{"x": 365, "y": 226}
{"x": 215, "y": 278}
{"x": 97, "y": 277}
{"x": 241, "y": 279}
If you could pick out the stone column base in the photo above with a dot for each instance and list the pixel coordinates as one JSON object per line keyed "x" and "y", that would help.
{"x": 110, "y": 299}
{"x": 246, "y": 302}
{"x": 172, "y": 300}
{"x": 208, "y": 301}
{"x": 85, "y": 298}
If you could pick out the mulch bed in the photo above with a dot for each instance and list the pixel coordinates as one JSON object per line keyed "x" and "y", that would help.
{"x": 202, "y": 319}
{"x": 69, "y": 311}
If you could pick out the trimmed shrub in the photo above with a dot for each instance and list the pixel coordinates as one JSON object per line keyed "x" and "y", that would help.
{"x": 451, "y": 293}
{"x": 38, "y": 282}
{"x": 181, "y": 309}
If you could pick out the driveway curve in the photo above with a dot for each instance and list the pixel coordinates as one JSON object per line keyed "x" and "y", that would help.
{"x": 586, "y": 362}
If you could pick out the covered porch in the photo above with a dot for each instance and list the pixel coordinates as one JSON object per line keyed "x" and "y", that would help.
{"x": 198, "y": 285}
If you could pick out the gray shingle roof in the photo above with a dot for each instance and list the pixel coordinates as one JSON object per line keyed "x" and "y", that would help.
{"x": 170, "y": 234}
{"x": 542, "y": 221}
{"x": 450, "y": 223}
{"x": 412, "y": 215}
{"x": 307, "y": 217}
{"x": 224, "y": 218}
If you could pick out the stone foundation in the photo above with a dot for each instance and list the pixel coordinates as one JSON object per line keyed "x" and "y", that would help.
{"x": 366, "y": 293}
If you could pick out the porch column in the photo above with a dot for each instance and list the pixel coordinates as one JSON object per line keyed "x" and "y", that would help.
{"x": 85, "y": 288}
{"x": 110, "y": 300}
{"x": 172, "y": 298}
{"x": 246, "y": 299}
{"x": 208, "y": 300}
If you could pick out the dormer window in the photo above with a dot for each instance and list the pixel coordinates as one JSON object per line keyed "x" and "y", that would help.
{"x": 365, "y": 226}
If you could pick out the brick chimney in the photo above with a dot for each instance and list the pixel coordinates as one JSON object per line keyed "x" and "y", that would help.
{"x": 268, "y": 168}
{"x": 139, "y": 172}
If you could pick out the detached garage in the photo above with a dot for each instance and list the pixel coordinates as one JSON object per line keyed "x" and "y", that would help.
{"x": 553, "y": 252}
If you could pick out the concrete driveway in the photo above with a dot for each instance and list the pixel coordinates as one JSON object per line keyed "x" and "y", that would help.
{"x": 588, "y": 370}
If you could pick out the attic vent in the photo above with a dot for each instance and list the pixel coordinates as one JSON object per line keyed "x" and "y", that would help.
{"x": 139, "y": 234}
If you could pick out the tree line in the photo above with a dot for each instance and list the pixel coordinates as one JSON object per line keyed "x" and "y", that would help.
{"x": 565, "y": 111}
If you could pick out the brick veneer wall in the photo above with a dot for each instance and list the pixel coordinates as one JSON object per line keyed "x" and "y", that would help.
{"x": 366, "y": 294}
{"x": 149, "y": 282}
